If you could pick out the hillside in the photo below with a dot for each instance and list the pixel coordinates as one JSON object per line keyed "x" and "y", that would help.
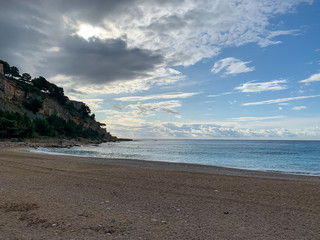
{"x": 41, "y": 101}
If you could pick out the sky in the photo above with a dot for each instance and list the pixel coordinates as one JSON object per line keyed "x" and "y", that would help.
{"x": 205, "y": 69}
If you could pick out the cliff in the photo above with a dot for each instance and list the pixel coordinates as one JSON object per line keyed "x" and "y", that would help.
{"x": 24, "y": 98}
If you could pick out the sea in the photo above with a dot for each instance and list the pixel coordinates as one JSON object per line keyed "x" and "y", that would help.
{"x": 292, "y": 157}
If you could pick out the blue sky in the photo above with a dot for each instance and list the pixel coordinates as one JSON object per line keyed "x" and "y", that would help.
{"x": 177, "y": 69}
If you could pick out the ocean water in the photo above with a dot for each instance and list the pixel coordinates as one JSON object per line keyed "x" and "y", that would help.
{"x": 295, "y": 157}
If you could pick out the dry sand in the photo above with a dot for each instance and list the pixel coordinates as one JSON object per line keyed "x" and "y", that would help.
{"x": 63, "y": 197}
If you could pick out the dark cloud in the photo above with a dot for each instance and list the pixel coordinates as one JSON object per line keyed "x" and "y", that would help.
{"x": 100, "y": 61}
{"x": 20, "y": 31}
{"x": 29, "y": 29}
{"x": 95, "y": 11}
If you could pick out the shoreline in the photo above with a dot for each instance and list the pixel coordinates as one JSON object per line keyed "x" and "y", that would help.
{"x": 62, "y": 197}
{"x": 188, "y": 167}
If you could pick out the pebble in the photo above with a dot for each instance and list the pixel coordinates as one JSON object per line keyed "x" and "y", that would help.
{"x": 53, "y": 225}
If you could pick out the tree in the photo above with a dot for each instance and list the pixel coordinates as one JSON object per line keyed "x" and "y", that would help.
{"x": 33, "y": 105}
{"x": 41, "y": 83}
{"x": 58, "y": 93}
{"x": 42, "y": 127}
{"x": 51, "y": 89}
{"x": 85, "y": 110}
{"x": 14, "y": 72}
{"x": 25, "y": 77}
{"x": 8, "y": 128}
{"x": 57, "y": 123}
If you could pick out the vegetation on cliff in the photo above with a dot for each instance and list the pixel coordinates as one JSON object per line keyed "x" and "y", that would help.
{"x": 34, "y": 107}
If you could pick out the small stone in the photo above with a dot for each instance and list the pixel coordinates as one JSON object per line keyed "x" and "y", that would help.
{"x": 80, "y": 214}
{"x": 216, "y": 190}
{"x": 53, "y": 225}
{"x": 178, "y": 209}
{"x": 164, "y": 222}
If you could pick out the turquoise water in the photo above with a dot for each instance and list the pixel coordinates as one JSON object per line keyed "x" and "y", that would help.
{"x": 297, "y": 157}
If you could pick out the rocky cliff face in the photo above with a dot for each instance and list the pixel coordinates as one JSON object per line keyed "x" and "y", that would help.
{"x": 10, "y": 96}
{"x": 13, "y": 98}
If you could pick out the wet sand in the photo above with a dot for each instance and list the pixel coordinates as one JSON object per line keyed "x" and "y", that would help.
{"x": 63, "y": 197}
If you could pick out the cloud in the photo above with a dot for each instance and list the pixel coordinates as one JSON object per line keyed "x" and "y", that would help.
{"x": 207, "y": 130}
{"x": 157, "y": 96}
{"x": 107, "y": 42}
{"x": 218, "y": 95}
{"x": 99, "y": 61}
{"x": 213, "y": 131}
{"x": 279, "y": 100}
{"x": 297, "y": 108}
{"x": 246, "y": 119}
{"x": 165, "y": 106}
{"x": 160, "y": 77}
{"x": 231, "y": 66}
{"x": 282, "y": 32}
{"x": 312, "y": 78}
{"x": 94, "y": 104}
{"x": 274, "y": 85}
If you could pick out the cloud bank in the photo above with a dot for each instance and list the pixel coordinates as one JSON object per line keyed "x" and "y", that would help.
{"x": 99, "y": 45}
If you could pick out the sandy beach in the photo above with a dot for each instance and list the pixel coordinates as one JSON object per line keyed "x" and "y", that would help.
{"x": 63, "y": 197}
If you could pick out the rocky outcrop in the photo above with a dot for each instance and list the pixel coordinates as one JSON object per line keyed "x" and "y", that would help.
{"x": 10, "y": 96}
{"x": 14, "y": 98}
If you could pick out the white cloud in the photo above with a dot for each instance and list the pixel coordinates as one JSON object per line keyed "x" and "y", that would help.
{"x": 282, "y": 32}
{"x": 216, "y": 131}
{"x": 297, "y": 108}
{"x": 274, "y": 85}
{"x": 94, "y": 104}
{"x": 231, "y": 66}
{"x": 246, "y": 119}
{"x": 218, "y": 95}
{"x": 157, "y": 96}
{"x": 279, "y": 100}
{"x": 166, "y": 106}
{"x": 312, "y": 78}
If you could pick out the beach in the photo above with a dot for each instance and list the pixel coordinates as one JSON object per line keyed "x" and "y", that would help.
{"x": 64, "y": 197}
